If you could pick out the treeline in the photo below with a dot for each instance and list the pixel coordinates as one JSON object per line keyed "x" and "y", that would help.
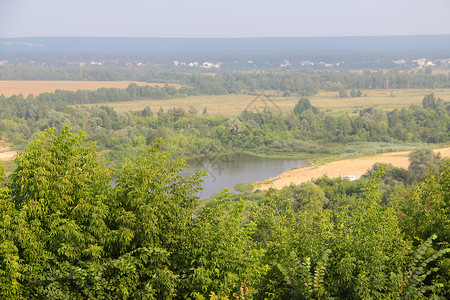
{"x": 306, "y": 82}
{"x": 189, "y": 134}
{"x": 309, "y": 82}
{"x": 66, "y": 232}
{"x": 103, "y": 95}
{"x": 89, "y": 73}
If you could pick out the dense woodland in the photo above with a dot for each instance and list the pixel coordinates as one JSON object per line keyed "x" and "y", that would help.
{"x": 67, "y": 233}
{"x": 302, "y": 82}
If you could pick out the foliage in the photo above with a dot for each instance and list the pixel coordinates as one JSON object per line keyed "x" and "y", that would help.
{"x": 244, "y": 187}
{"x": 70, "y": 229}
{"x": 412, "y": 283}
{"x": 423, "y": 161}
{"x": 126, "y": 135}
{"x": 303, "y": 283}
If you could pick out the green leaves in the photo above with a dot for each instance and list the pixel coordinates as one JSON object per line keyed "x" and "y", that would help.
{"x": 413, "y": 284}
{"x": 303, "y": 281}
{"x": 222, "y": 255}
{"x": 153, "y": 202}
{"x": 66, "y": 232}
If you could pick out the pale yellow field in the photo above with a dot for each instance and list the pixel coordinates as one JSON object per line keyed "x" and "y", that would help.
{"x": 446, "y": 72}
{"x": 228, "y": 105}
{"x": 26, "y": 87}
{"x": 387, "y": 99}
{"x": 234, "y": 104}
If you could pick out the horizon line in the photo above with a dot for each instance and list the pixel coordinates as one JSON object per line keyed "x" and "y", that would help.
{"x": 231, "y": 37}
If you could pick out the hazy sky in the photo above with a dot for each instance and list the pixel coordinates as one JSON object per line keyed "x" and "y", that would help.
{"x": 223, "y": 18}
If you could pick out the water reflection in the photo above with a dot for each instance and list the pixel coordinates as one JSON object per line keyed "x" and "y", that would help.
{"x": 225, "y": 171}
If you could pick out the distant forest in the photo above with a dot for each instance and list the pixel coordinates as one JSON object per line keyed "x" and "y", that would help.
{"x": 301, "y": 82}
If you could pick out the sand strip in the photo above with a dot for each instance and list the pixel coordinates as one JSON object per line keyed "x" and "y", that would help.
{"x": 348, "y": 167}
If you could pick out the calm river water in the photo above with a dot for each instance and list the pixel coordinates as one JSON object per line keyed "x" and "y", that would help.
{"x": 225, "y": 171}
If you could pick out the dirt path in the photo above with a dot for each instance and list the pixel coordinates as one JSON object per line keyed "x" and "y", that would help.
{"x": 348, "y": 167}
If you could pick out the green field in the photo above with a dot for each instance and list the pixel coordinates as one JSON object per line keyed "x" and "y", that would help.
{"x": 229, "y": 105}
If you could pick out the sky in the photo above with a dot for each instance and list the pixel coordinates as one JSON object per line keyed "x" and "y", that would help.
{"x": 222, "y": 18}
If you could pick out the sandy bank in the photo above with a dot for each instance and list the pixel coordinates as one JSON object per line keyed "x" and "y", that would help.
{"x": 6, "y": 153}
{"x": 349, "y": 167}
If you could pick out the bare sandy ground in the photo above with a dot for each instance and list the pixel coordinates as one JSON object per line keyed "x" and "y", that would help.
{"x": 6, "y": 153}
{"x": 348, "y": 167}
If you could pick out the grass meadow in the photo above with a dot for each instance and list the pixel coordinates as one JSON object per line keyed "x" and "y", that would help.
{"x": 230, "y": 105}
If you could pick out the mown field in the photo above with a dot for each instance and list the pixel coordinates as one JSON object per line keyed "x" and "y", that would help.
{"x": 26, "y": 87}
{"x": 229, "y": 105}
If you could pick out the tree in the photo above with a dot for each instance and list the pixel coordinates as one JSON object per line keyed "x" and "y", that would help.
{"x": 343, "y": 94}
{"x": 192, "y": 110}
{"x": 367, "y": 247}
{"x": 359, "y": 93}
{"x": 147, "y": 112}
{"x": 429, "y": 101}
{"x": 308, "y": 197}
{"x": 422, "y": 161}
{"x": 11, "y": 269}
{"x": 60, "y": 188}
{"x": 75, "y": 236}
{"x": 222, "y": 257}
{"x": 302, "y": 105}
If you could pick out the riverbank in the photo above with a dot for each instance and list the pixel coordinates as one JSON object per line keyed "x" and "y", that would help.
{"x": 352, "y": 168}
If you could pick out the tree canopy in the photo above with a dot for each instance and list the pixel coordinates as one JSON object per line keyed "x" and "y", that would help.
{"x": 73, "y": 227}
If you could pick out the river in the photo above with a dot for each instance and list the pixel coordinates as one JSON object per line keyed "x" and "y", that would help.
{"x": 225, "y": 171}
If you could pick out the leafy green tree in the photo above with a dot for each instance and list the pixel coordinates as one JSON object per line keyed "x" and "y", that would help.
{"x": 288, "y": 235}
{"x": 60, "y": 188}
{"x": 75, "y": 236}
{"x": 359, "y": 93}
{"x": 367, "y": 248}
{"x": 343, "y": 94}
{"x": 423, "y": 161}
{"x": 222, "y": 256}
{"x": 304, "y": 283}
{"x": 308, "y": 197}
{"x": 429, "y": 101}
{"x": 304, "y": 105}
{"x": 425, "y": 213}
{"x": 11, "y": 268}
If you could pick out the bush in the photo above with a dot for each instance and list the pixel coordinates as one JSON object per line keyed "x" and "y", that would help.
{"x": 244, "y": 187}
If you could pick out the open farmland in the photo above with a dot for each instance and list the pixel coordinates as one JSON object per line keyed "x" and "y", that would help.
{"x": 26, "y": 87}
{"x": 387, "y": 99}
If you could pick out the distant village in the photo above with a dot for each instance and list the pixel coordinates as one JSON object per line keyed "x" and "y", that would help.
{"x": 418, "y": 63}
{"x": 411, "y": 63}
